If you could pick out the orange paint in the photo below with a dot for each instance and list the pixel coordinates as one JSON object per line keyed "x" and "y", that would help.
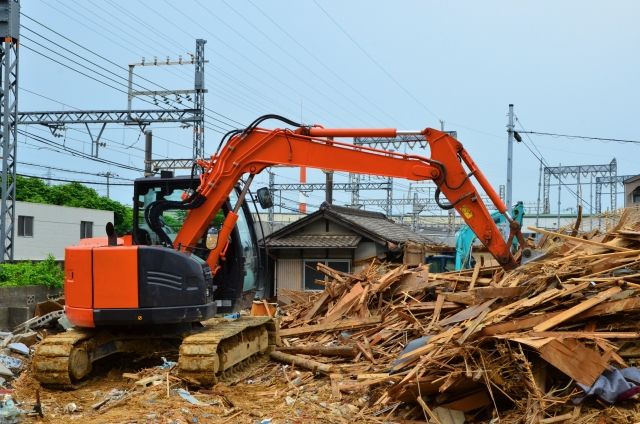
{"x": 78, "y": 279}
{"x": 80, "y": 317}
{"x": 115, "y": 277}
{"x": 309, "y": 147}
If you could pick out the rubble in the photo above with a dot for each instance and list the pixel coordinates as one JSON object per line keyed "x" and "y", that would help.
{"x": 524, "y": 345}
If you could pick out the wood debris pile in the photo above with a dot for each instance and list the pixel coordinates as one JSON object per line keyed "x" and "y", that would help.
{"x": 482, "y": 343}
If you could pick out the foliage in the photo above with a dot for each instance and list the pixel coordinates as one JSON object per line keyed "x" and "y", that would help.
{"x": 46, "y": 273}
{"x": 75, "y": 195}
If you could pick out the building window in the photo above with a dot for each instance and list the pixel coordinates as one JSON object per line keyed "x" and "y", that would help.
{"x": 86, "y": 229}
{"x": 635, "y": 196}
{"x": 311, "y": 274}
{"x": 25, "y": 226}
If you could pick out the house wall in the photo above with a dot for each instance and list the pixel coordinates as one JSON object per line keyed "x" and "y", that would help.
{"x": 288, "y": 274}
{"x": 628, "y": 193}
{"x": 54, "y": 228}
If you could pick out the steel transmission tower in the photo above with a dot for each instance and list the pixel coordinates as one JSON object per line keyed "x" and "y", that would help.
{"x": 10, "y": 33}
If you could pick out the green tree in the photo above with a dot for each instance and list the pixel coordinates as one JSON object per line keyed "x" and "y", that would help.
{"x": 75, "y": 195}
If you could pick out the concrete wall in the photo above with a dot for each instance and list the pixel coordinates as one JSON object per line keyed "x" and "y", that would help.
{"x": 54, "y": 228}
{"x": 17, "y": 304}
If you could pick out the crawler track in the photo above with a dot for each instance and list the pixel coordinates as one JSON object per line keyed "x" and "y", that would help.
{"x": 206, "y": 355}
{"x": 64, "y": 360}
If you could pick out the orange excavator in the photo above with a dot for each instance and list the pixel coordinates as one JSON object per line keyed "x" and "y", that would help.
{"x": 151, "y": 290}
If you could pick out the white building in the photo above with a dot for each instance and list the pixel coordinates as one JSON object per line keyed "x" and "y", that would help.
{"x": 42, "y": 230}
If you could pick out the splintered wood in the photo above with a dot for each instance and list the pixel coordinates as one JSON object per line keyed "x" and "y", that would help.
{"x": 481, "y": 342}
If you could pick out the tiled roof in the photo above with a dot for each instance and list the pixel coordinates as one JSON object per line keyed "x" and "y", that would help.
{"x": 370, "y": 225}
{"x": 316, "y": 241}
{"x": 376, "y": 223}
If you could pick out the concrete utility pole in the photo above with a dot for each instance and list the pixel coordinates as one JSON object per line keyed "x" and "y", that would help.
{"x": 329, "y": 186}
{"x": 272, "y": 181}
{"x": 148, "y": 149}
{"x": 108, "y": 176}
{"x": 510, "y": 129}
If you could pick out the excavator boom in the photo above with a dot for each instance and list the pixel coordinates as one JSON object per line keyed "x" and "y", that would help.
{"x": 251, "y": 151}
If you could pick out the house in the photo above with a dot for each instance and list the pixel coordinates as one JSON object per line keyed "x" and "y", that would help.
{"x": 343, "y": 238}
{"x": 632, "y": 191}
{"x": 42, "y": 229}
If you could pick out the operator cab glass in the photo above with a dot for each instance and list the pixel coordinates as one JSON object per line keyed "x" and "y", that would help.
{"x": 240, "y": 270}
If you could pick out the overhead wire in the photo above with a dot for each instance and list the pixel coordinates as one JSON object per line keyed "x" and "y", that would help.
{"x": 257, "y": 65}
{"x": 581, "y": 137}
{"x": 318, "y": 60}
{"x": 70, "y": 171}
{"x": 375, "y": 62}
{"x": 72, "y": 181}
{"x": 302, "y": 64}
{"x": 123, "y": 68}
{"x": 543, "y": 161}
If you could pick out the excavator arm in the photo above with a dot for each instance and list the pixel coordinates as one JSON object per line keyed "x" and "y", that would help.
{"x": 251, "y": 151}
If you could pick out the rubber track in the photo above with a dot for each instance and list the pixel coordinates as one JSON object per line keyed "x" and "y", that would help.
{"x": 201, "y": 355}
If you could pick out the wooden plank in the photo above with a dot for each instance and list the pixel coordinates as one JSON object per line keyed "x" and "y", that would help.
{"x": 516, "y": 324}
{"x": 468, "y": 313}
{"x": 331, "y": 326}
{"x": 469, "y": 402}
{"x": 574, "y": 359}
{"x": 630, "y": 305}
{"x": 579, "y": 240}
{"x": 345, "y": 302}
{"x": 484, "y": 293}
{"x": 317, "y": 305}
{"x": 581, "y": 307}
{"x": 474, "y": 276}
{"x": 587, "y": 334}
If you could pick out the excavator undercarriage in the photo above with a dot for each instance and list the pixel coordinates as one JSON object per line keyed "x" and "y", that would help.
{"x": 65, "y": 360}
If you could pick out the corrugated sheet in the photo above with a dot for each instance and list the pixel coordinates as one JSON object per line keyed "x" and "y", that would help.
{"x": 289, "y": 274}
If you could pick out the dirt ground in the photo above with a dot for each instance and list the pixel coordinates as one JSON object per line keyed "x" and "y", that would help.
{"x": 264, "y": 391}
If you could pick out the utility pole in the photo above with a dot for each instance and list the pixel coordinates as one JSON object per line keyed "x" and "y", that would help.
{"x": 510, "y": 129}
{"x": 9, "y": 35}
{"x": 329, "y": 186}
{"x": 272, "y": 181}
{"x": 148, "y": 149}
{"x": 108, "y": 176}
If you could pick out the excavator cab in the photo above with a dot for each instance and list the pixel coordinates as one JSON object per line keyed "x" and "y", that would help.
{"x": 241, "y": 275}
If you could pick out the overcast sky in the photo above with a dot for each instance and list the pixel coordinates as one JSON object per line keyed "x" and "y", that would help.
{"x": 569, "y": 67}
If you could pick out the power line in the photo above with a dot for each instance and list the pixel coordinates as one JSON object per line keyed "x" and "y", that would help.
{"x": 544, "y": 162}
{"x": 293, "y": 57}
{"x": 121, "y": 67}
{"x": 375, "y": 62}
{"x": 71, "y": 171}
{"x": 78, "y": 153}
{"x": 319, "y": 61}
{"x": 73, "y": 181}
{"x": 582, "y": 137}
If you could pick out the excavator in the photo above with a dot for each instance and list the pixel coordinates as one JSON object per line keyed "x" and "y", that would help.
{"x": 465, "y": 238}
{"x": 161, "y": 286}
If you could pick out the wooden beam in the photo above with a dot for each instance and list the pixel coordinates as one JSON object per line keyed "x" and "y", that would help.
{"x": 580, "y": 240}
{"x": 308, "y": 364}
{"x": 331, "y": 326}
{"x": 316, "y": 349}
{"x": 581, "y": 307}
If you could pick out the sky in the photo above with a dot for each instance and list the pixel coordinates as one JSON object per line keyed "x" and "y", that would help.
{"x": 569, "y": 67}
